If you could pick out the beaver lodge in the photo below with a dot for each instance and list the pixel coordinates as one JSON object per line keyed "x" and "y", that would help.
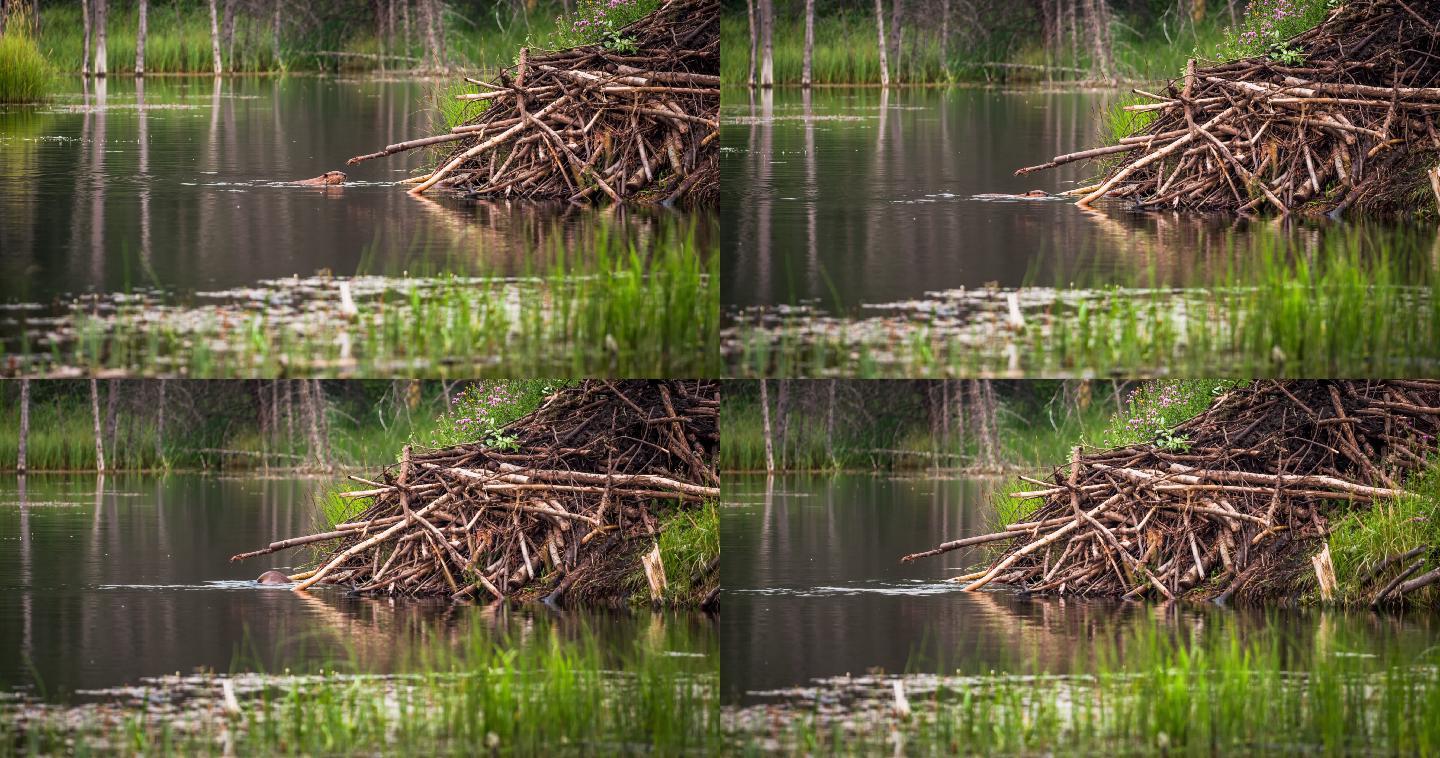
{"x": 569, "y": 505}
{"x": 640, "y": 121}
{"x": 1242, "y": 510}
{"x": 1353, "y": 125}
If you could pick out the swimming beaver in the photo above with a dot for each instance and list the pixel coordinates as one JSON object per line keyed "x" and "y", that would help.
{"x": 324, "y": 180}
{"x": 273, "y": 577}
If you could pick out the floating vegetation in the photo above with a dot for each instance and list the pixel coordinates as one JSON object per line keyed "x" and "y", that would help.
{"x": 1346, "y": 309}
{"x": 1149, "y": 692}
{"x": 630, "y": 317}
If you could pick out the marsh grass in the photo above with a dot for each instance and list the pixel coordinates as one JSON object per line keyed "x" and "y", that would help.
{"x": 607, "y": 307}
{"x": 846, "y": 52}
{"x": 511, "y": 693}
{"x": 1354, "y": 304}
{"x": 1222, "y": 692}
{"x": 689, "y": 540}
{"x": 25, "y": 75}
{"x": 1363, "y": 537}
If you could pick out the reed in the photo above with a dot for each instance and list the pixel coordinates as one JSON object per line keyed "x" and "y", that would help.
{"x": 25, "y": 75}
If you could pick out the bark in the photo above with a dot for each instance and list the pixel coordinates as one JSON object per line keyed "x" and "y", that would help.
{"x": 24, "y": 423}
{"x": 215, "y": 38}
{"x": 810, "y": 42}
{"x": 767, "y": 43}
{"x": 95, "y": 419}
{"x": 275, "y": 32}
{"x": 140, "y": 38}
{"x": 228, "y": 35}
{"x": 100, "y": 55}
{"x": 754, "y": 42}
{"x": 309, "y": 400}
{"x": 112, "y": 396}
{"x": 1099, "y": 18}
{"x": 895, "y": 32}
{"x": 765, "y": 427}
{"x": 431, "y": 41}
{"x": 945, "y": 33}
{"x": 85, "y": 22}
{"x": 160, "y": 424}
{"x": 880, "y": 36}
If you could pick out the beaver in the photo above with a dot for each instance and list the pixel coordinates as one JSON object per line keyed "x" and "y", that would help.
{"x": 329, "y": 178}
{"x": 273, "y": 577}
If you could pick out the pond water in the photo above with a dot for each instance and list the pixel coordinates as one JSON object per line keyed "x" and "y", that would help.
{"x": 176, "y": 183}
{"x": 814, "y": 589}
{"x": 857, "y": 196}
{"x": 103, "y": 586}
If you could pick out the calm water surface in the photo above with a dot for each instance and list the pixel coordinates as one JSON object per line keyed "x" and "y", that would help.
{"x": 850, "y": 196}
{"x": 174, "y": 182}
{"x": 99, "y": 587}
{"x": 814, "y": 588}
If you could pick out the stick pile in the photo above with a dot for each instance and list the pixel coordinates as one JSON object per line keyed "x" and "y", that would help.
{"x": 567, "y": 507}
{"x": 1349, "y": 122}
{"x": 1240, "y": 506}
{"x": 634, "y": 120}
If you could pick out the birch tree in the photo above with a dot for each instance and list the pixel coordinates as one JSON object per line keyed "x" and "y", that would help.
{"x": 100, "y": 56}
{"x": 765, "y": 427}
{"x": 215, "y": 38}
{"x": 95, "y": 419}
{"x": 85, "y": 24}
{"x": 24, "y": 423}
{"x": 880, "y": 36}
{"x": 754, "y": 42}
{"x": 809, "y": 43}
{"x": 767, "y": 43}
{"x": 140, "y": 38}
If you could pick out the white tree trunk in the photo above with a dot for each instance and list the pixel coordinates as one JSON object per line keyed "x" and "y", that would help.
{"x": 765, "y": 426}
{"x": 140, "y": 38}
{"x": 100, "y": 56}
{"x": 24, "y": 423}
{"x": 767, "y": 43}
{"x": 880, "y": 36}
{"x": 809, "y": 43}
{"x": 750, "y": 78}
{"x": 215, "y": 38}
{"x": 85, "y": 22}
{"x": 95, "y": 418}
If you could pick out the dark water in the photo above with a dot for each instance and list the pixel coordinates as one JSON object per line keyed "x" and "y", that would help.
{"x": 100, "y": 588}
{"x": 851, "y": 196}
{"x": 814, "y": 588}
{"x": 173, "y": 182}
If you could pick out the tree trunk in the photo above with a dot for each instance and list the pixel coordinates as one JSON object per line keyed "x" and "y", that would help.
{"x": 809, "y": 42}
{"x": 765, "y": 427}
{"x": 276, "y": 62}
{"x": 95, "y": 419}
{"x": 101, "y": 59}
{"x": 140, "y": 38}
{"x": 754, "y": 43}
{"x": 945, "y": 34}
{"x": 215, "y": 38}
{"x": 227, "y": 33}
{"x": 830, "y": 424}
{"x": 312, "y": 421}
{"x": 880, "y": 35}
{"x": 405, "y": 19}
{"x": 1197, "y": 11}
{"x": 431, "y": 41}
{"x": 767, "y": 43}
{"x": 112, "y": 395}
{"x": 85, "y": 22}
{"x": 160, "y": 425}
{"x": 24, "y": 423}
{"x": 895, "y": 33}
{"x": 1099, "y": 17}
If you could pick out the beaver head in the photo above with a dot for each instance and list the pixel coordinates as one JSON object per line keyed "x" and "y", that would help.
{"x": 333, "y": 177}
{"x": 273, "y": 577}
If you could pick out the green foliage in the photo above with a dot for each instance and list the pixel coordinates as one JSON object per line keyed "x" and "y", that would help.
{"x": 599, "y": 22}
{"x": 1267, "y": 27}
{"x": 1209, "y": 691}
{"x": 552, "y": 689}
{"x": 481, "y": 410}
{"x": 25, "y": 75}
{"x": 1156, "y": 406}
{"x": 1365, "y": 536}
{"x": 689, "y": 540}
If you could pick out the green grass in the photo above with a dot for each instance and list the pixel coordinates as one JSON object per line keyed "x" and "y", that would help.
{"x": 516, "y": 694}
{"x": 846, "y": 50}
{"x": 1032, "y": 433}
{"x": 178, "y": 40}
{"x": 1215, "y": 692}
{"x": 1355, "y": 304}
{"x": 606, "y": 307}
{"x": 25, "y": 75}
{"x": 1365, "y": 536}
{"x": 689, "y": 540}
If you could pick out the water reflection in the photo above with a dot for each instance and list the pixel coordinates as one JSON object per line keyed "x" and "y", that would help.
{"x": 853, "y": 196}
{"x": 122, "y": 577}
{"x": 814, "y": 588}
{"x": 181, "y": 183}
